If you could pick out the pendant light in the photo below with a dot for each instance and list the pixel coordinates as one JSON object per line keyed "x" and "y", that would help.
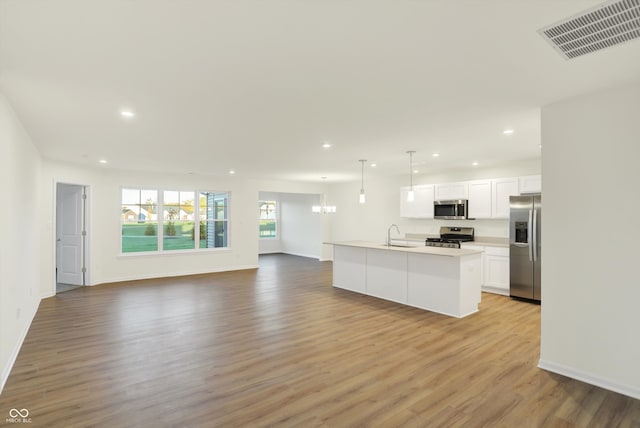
{"x": 362, "y": 197}
{"x": 410, "y": 194}
{"x": 324, "y": 208}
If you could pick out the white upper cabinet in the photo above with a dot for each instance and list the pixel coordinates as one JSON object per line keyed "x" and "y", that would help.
{"x": 487, "y": 198}
{"x": 530, "y": 184}
{"x": 480, "y": 199}
{"x": 502, "y": 188}
{"x": 421, "y": 206}
{"x": 451, "y": 191}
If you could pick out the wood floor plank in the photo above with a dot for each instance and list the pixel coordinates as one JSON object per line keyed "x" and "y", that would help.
{"x": 279, "y": 346}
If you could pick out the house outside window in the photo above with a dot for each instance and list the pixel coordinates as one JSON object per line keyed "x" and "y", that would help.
{"x": 268, "y": 219}
{"x": 178, "y": 215}
{"x": 139, "y": 213}
{"x": 214, "y": 219}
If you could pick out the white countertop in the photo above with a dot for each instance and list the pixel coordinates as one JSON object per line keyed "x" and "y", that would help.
{"x": 436, "y": 251}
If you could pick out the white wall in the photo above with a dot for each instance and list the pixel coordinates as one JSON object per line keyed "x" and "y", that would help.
{"x": 300, "y": 229}
{"x": 105, "y": 262}
{"x": 590, "y": 282}
{"x": 371, "y": 220}
{"x": 300, "y": 232}
{"x": 19, "y": 256}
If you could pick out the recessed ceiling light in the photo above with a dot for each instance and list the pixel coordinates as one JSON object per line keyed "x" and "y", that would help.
{"x": 507, "y": 131}
{"x": 475, "y": 164}
{"x": 326, "y": 145}
{"x": 373, "y": 165}
{"x": 415, "y": 171}
{"x": 231, "y": 171}
{"x": 127, "y": 113}
{"x": 102, "y": 161}
{"x": 435, "y": 155}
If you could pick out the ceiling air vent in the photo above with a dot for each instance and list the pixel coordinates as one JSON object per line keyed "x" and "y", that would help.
{"x": 607, "y": 25}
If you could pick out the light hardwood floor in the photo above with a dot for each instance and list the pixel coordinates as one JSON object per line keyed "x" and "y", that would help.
{"x": 279, "y": 346}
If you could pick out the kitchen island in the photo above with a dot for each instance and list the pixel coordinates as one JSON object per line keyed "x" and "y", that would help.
{"x": 443, "y": 280}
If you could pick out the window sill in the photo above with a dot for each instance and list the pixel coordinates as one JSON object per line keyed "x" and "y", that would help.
{"x": 174, "y": 252}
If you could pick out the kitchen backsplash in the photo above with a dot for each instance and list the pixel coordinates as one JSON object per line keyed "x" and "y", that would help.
{"x": 486, "y": 228}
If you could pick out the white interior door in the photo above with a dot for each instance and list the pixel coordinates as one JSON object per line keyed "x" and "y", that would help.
{"x": 69, "y": 227}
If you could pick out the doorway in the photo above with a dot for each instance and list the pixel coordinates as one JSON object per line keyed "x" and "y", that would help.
{"x": 71, "y": 236}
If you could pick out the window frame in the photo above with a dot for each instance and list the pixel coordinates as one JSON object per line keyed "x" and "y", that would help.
{"x": 276, "y": 220}
{"x": 160, "y": 222}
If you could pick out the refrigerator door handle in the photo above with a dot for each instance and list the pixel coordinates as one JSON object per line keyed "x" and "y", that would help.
{"x": 529, "y": 235}
{"x": 535, "y": 234}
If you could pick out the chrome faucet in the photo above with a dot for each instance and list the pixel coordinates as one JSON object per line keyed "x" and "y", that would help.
{"x": 389, "y": 233}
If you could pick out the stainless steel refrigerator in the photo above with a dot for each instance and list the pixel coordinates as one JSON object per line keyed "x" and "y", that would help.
{"x": 525, "y": 222}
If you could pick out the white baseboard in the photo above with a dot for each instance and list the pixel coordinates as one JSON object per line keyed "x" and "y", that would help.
{"x": 16, "y": 349}
{"x": 309, "y": 256}
{"x": 495, "y": 290}
{"x": 632, "y": 391}
{"x": 173, "y": 274}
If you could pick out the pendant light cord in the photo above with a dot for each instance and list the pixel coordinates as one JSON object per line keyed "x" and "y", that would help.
{"x": 411, "y": 152}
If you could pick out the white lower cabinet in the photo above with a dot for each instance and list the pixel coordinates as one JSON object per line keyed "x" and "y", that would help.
{"x": 495, "y": 268}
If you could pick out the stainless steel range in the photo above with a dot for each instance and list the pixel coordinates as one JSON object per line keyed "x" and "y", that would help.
{"x": 451, "y": 237}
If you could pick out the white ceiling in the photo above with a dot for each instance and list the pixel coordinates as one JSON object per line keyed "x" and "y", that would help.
{"x": 259, "y": 86}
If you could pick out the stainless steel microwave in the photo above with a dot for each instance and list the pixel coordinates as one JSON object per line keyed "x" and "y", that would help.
{"x": 451, "y": 210}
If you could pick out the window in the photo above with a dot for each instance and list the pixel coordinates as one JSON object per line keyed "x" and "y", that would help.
{"x": 178, "y": 215}
{"x": 176, "y": 228}
{"x": 268, "y": 219}
{"x": 139, "y": 220}
{"x": 213, "y": 219}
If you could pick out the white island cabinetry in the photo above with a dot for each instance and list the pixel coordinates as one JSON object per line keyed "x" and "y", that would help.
{"x": 443, "y": 280}
{"x": 386, "y": 272}
{"x": 349, "y": 268}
